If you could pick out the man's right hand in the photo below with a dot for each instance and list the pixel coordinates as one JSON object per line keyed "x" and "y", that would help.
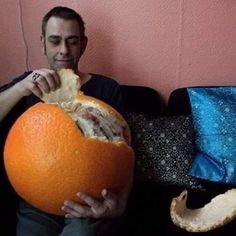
{"x": 39, "y": 81}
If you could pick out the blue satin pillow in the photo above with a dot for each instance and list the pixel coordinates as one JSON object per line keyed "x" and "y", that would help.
{"x": 214, "y": 121}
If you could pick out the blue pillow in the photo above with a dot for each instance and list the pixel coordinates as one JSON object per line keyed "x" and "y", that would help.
{"x": 214, "y": 121}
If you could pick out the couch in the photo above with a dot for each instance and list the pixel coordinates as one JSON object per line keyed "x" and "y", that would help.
{"x": 163, "y": 141}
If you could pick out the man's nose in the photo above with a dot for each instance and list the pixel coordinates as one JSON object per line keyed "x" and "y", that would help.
{"x": 64, "y": 49}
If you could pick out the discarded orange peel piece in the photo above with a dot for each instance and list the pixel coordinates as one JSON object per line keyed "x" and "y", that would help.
{"x": 218, "y": 212}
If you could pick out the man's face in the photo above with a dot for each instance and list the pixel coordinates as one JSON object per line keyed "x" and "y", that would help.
{"x": 62, "y": 43}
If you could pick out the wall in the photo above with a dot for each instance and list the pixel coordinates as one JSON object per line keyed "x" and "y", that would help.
{"x": 164, "y": 44}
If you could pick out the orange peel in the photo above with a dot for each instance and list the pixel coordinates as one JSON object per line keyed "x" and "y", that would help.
{"x": 218, "y": 212}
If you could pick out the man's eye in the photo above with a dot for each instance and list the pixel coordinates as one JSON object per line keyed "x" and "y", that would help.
{"x": 73, "y": 42}
{"x": 55, "y": 42}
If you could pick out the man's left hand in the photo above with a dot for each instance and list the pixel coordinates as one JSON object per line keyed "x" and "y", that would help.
{"x": 111, "y": 206}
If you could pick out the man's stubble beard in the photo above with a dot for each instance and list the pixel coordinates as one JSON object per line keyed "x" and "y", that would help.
{"x": 53, "y": 65}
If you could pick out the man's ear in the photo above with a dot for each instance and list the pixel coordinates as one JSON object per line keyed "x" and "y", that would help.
{"x": 83, "y": 45}
{"x": 43, "y": 44}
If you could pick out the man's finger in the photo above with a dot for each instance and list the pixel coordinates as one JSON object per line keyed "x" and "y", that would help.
{"x": 36, "y": 90}
{"x": 107, "y": 195}
{"x": 46, "y": 80}
{"x": 110, "y": 198}
{"x": 76, "y": 209}
{"x": 70, "y": 213}
{"x": 92, "y": 202}
{"x": 55, "y": 78}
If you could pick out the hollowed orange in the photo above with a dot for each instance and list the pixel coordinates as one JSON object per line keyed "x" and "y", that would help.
{"x": 48, "y": 159}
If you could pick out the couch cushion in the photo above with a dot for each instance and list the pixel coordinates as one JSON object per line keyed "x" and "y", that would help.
{"x": 178, "y": 103}
{"x": 213, "y": 112}
{"x": 164, "y": 149}
{"x": 141, "y": 99}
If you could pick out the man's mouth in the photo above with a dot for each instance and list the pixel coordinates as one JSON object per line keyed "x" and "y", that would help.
{"x": 64, "y": 60}
{"x": 64, "y": 63}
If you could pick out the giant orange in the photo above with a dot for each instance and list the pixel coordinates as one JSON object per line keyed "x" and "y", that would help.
{"x": 51, "y": 152}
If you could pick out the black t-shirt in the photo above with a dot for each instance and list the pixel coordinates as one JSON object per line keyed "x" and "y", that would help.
{"x": 101, "y": 87}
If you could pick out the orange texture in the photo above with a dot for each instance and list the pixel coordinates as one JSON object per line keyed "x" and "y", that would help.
{"x": 48, "y": 160}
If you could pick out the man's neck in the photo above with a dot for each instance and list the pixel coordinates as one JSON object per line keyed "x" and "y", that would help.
{"x": 84, "y": 77}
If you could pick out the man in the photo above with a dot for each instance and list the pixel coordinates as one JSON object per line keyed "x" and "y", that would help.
{"x": 64, "y": 41}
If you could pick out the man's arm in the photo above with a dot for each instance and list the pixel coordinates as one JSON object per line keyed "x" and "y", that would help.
{"x": 46, "y": 80}
{"x": 8, "y": 99}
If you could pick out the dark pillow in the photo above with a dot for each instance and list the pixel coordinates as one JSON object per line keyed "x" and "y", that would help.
{"x": 164, "y": 149}
{"x": 178, "y": 103}
{"x": 141, "y": 99}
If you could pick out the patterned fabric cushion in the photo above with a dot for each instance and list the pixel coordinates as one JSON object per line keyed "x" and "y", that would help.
{"x": 214, "y": 120}
{"x": 164, "y": 149}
